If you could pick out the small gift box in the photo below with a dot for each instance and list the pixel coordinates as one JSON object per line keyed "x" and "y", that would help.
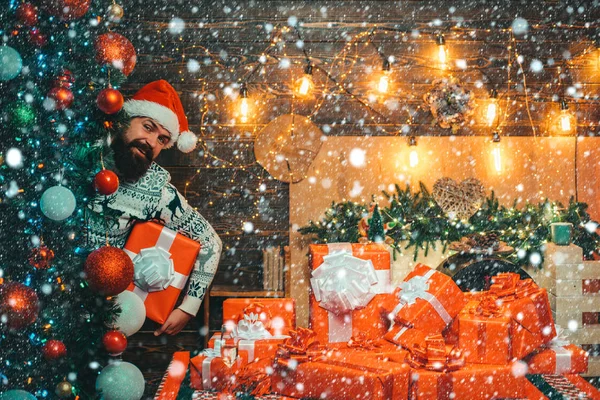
{"x": 277, "y": 315}
{"x": 558, "y": 357}
{"x": 209, "y": 371}
{"x": 350, "y": 291}
{"x": 163, "y": 260}
{"x": 428, "y": 300}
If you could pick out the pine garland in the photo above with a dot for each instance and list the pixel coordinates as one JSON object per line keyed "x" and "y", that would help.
{"x": 417, "y": 223}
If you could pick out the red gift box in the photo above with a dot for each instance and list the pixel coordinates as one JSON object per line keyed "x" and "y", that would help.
{"x": 281, "y": 313}
{"x": 371, "y": 319}
{"x": 163, "y": 260}
{"x": 429, "y": 300}
{"x": 343, "y": 379}
{"x": 567, "y": 359}
{"x": 405, "y": 336}
{"x": 257, "y": 349}
{"x": 209, "y": 371}
{"x": 476, "y": 381}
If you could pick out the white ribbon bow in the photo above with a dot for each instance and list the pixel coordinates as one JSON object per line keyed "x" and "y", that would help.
{"x": 344, "y": 283}
{"x": 154, "y": 269}
{"x": 413, "y": 289}
{"x": 251, "y": 328}
{"x": 560, "y": 339}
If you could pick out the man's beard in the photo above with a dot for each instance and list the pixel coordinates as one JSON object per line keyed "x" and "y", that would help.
{"x": 130, "y": 164}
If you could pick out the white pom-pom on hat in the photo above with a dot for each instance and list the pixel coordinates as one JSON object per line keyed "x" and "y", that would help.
{"x": 187, "y": 141}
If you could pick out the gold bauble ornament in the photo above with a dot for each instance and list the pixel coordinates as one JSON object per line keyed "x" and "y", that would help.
{"x": 64, "y": 390}
{"x": 115, "y": 12}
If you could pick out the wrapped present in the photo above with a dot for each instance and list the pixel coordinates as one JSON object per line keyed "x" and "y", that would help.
{"x": 405, "y": 336}
{"x": 257, "y": 349}
{"x": 302, "y": 369}
{"x": 171, "y": 382}
{"x": 528, "y": 307}
{"x": 277, "y": 315}
{"x": 558, "y": 357}
{"x": 350, "y": 291}
{"x": 209, "y": 371}
{"x": 484, "y": 334}
{"x": 428, "y": 300}
{"x": 163, "y": 260}
{"x": 473, "y": 381}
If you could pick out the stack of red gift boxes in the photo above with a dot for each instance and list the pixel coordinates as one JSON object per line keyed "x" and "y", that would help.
{"x": 422, "y": 340}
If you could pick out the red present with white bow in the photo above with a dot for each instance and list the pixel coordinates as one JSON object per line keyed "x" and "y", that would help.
{"x": 558, "y": 357}
{"x": 427, "y": 300}
{"x": 351, "y": 292}
{"x": 162, "y": 260}
{"x": 252, "y": 336}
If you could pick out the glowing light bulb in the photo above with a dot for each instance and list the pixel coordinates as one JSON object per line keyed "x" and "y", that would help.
{"x": 565, "y": 117}
{"x": 442, "y": 52}
{"x": 384, "y": 83}
{"x": 492, "y": 109}
{"x": 244, "y": 104}
{"x": 413, "y": 158}
{"x": 305, "y": 84}
{"x": 565, "y": 123}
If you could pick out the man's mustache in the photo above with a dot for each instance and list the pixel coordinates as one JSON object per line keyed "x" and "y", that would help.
{"x": 143, "y": 147}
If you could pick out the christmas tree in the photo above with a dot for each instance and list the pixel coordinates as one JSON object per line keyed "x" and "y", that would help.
{"x": 57, "y": 65}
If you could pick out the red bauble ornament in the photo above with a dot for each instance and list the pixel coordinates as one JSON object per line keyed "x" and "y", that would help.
{"x": 27, "y": 14}
{"x": 41, "y": 257}
{"x": 19, "y": 304}
{"x": 37, "y": 38}
{"x": 53, "y": 350}
{"x": 66, "y": 10}
{"x": 63, "y": 97}
{"x": 108, "y": 270}
{"x": 110, "y": 101}
{"x": 116, "y": 50}
{"x": 115, "y": 342}
{"x": 106, "y": 182}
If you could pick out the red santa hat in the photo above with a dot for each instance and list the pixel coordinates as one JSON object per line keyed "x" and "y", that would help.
{"x": 159, "y": 100}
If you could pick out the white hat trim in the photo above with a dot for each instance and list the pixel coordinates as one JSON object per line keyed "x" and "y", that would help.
{"x": 161, "y": 114}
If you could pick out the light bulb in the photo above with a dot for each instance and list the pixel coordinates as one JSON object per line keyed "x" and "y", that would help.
{"x": 565, "y": 121}
{"x": 413, "y": 158}
{"x": 244, "y": 104}
{"x": 384, "y": 83}
{"x": 442, "y": 53}
{"x": 244, "y": 109}
{"x": 305, "y": 84}
{"x": 492, "y": 108}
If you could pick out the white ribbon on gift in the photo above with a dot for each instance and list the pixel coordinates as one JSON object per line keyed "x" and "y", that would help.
{"x": 344, "y": 283}
{"x": 563, "y": 355}
{"x": 251, "y": 328}
{"x": 153, "y": 266}
{"x": 417, "y": 288}
{"x": 206, "y": 380}
{"x": 243, "y": 344}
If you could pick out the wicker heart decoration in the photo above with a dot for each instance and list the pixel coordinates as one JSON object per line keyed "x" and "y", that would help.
{"x": 459, "y": 200}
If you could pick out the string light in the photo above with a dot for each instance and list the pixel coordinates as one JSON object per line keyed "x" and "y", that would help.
{"x": 413, "y": 157}
{"x": 305, "y": 84}
{"x": 442, "y": 51}
{"x": 384, "y": 79}
{"x": 492, "y": 108}
{"x": 496, "y": 152}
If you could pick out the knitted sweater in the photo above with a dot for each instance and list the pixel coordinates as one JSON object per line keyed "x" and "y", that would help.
{"x": 152, "y": 197}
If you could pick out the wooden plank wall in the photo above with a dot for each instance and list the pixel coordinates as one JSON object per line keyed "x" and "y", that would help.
{"x": 224, "y": 40}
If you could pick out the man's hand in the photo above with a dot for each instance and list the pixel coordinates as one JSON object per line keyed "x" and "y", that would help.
{"x": 175, "y": 323}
